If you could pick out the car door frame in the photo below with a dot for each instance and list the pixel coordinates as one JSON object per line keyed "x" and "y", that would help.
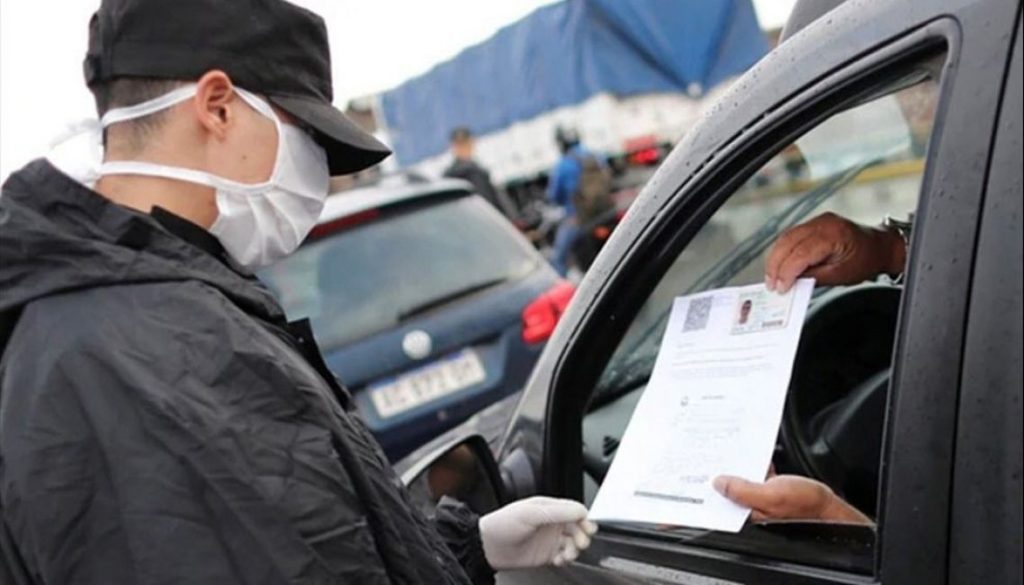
{"x": 815, "y": 63}
{"x": 987, "y": 517}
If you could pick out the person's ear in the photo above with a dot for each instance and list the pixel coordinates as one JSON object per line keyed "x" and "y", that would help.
{"x": 214, "y": 102}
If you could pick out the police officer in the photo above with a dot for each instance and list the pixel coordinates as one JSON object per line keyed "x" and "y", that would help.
{"x": 160, "y": 420}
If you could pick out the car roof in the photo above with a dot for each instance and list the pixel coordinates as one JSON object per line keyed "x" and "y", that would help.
{"x": 805, "y": 12}
{"x": 388, "y": 192}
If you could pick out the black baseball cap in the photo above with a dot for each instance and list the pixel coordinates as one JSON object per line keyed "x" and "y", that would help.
{"x": 269, "y": 47}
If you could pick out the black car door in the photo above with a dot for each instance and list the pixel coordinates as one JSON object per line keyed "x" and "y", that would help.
{"x": 987, "y": 523}
{"x": 862, "y": 55}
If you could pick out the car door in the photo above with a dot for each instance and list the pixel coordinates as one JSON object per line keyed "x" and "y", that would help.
{"x": 860, "y": 53}
{"x": 987, "y": 523}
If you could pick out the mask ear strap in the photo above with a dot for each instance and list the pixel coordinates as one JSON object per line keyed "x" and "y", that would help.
{"x": 131, "y": 167}
{"x": 263, "y": 107}
{"x": 257, "y": 103}
{"x": 148, "y": 107}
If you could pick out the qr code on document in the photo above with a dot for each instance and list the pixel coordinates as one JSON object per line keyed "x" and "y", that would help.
{"x": 697, "y": 313}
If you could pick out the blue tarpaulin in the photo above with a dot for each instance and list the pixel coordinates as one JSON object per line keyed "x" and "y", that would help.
{"x": 565, "y": 53}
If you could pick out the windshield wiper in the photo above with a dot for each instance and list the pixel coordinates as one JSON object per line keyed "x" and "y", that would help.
{"x": 425, "y": 306}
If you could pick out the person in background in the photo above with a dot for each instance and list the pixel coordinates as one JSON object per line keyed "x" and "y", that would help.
{"x": 564, "y": 190}
{"x": 161, "y": 421}
{"x": 465, "y": 167}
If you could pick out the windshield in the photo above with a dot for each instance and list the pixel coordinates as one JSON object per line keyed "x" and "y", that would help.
{"x": 367, "y": 279}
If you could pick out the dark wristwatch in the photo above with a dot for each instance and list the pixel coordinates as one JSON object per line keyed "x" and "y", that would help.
{"x": 903, "y": 229}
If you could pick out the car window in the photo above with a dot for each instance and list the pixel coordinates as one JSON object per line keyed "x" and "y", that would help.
{"x": 863, "y": 176}
{"x": 864, "y": 163}
{"x": 371, "y": 277}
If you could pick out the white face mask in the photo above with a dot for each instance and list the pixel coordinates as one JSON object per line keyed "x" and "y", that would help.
{"x": 257, "y": 223}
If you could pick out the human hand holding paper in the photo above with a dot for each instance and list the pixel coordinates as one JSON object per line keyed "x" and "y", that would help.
{"x": 833, "y": 250}
{"x": 712, "y": 407}
{"x": 788, "y": 497}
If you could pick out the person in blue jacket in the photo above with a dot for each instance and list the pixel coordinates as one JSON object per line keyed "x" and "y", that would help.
{"x": 562, "y": 186}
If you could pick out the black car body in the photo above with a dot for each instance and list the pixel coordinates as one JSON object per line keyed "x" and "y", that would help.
{"x": 939, "y": 355}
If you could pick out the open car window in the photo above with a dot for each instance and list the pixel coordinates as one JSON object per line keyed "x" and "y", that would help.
{"x": 864, "y": 163}
{"x": 863, "y": 177}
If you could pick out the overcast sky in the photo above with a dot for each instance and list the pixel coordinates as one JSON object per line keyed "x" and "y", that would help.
{"x": 375, "y": 45}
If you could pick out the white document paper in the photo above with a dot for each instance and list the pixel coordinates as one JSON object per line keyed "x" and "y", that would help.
{"x": 712, "y": 407}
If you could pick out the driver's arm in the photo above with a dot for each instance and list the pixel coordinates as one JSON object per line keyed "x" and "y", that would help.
{"x": 835, "y": 251}
{"x": 789, "y": 497}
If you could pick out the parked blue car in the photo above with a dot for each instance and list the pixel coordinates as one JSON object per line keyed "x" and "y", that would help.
{"x": 426, "y": 302}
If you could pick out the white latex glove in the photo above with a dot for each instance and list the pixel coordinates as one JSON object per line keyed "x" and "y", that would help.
{"x": 535, "y": 532}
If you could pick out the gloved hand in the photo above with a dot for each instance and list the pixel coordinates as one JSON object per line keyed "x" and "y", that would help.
{"x": 535, "y": 532}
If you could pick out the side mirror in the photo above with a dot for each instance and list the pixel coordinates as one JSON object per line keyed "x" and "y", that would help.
{"x": 465, "y": 470}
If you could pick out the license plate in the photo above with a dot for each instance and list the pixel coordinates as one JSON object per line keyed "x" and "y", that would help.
{"x": 428, "y": 383}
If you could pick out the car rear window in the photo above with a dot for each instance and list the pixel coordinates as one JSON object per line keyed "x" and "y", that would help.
{"x": 369, "y": 277}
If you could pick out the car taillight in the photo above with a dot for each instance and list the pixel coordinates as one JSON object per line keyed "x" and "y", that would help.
{"x": 541, "y": 315}
{"x": 343, "y": 223}
{"x": 647, "y": 156}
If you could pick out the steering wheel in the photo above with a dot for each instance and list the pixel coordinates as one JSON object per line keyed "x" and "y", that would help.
{"x": 835, "y": 409}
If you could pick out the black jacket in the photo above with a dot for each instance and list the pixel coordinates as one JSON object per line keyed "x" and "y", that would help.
{"x": 161, "y": 422}
{"x": 469, "y": 170}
